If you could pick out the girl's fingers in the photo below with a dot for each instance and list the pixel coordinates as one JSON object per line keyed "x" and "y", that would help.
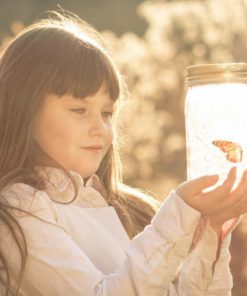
{"x": 233, "y": 204}
{"x": 231, "y": 177}
{"x": 237, "y": 203}
{"x": 195, "y": 186}
{"x": 242, "y": 187}
{"x": 222, "y": 191}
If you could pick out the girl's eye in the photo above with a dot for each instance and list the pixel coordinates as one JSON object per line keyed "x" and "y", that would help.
{"x": 107, "y": 114}
{"x": 79, "y": 110}
{"x": 82, "y": 111}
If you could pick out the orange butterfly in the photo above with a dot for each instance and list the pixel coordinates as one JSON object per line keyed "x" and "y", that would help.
{"x": 234, "y": 152}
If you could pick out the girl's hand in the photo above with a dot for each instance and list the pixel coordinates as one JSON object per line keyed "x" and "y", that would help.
{"x": 219, "y": 204}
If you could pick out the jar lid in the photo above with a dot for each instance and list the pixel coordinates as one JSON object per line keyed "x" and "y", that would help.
{"x": 216, "y": 73}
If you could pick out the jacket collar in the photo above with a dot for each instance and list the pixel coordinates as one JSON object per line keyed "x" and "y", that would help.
{"x": 60, "y": 186}
{"x": 59, "y": 178}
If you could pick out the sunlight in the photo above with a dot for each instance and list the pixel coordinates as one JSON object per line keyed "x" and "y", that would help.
{"x": 215, "y": 129}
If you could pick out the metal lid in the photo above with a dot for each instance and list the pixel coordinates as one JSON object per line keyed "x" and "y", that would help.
{"x": 216, "y": 73}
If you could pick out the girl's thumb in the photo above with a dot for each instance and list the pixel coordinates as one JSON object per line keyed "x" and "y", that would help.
{"x": 195, "y": 186}
{"x": 203, "y": 182}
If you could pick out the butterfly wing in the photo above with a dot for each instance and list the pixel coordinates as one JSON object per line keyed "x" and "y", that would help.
{"x": 235, "y": 155}
{"x": 234, "y": 152}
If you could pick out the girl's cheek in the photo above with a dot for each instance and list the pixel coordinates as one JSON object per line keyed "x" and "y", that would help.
{"x": 113, "y": 132}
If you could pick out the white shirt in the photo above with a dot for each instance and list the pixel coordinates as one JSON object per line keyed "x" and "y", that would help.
{"x": 82, "y": 248}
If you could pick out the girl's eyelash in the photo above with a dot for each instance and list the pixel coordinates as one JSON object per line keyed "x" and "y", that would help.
{"x": 82, "y": 110}
{"x": 108, "y": 114}
{"x": 78, "y": 110}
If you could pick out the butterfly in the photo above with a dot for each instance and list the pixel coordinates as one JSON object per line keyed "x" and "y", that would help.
{"x": 234, "y": 152}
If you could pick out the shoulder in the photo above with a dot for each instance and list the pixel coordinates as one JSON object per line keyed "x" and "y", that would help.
{"x": 25, "y": 199}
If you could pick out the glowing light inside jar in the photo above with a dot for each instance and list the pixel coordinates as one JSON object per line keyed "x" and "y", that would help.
{"x": 216, "y": 129}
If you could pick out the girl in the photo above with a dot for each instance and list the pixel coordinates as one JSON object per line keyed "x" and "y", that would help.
{"x": 68, "y": 225}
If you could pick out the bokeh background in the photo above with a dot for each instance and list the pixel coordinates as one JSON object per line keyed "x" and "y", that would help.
{"x": 152, "y": 42}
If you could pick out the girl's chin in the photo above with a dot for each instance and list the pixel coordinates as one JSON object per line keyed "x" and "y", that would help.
{"x": 86, "y": 174}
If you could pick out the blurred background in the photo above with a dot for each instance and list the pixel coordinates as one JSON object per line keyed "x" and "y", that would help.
{"x": 152, "y": 42}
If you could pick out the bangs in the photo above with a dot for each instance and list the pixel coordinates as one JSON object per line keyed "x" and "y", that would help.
{"x": 52, "y": 60}
{"x": 62, "y": 63}
{"x": 83, "y": 73}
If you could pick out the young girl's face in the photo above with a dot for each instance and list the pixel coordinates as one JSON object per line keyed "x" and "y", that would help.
{"x": 74, "y": 133}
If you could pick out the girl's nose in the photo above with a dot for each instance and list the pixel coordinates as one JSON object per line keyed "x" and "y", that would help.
{"x": 98, "y": 126}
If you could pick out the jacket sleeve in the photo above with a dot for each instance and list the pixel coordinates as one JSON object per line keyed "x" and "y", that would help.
{"x": 197, "y": 277}
{"x": 57, "y": 266}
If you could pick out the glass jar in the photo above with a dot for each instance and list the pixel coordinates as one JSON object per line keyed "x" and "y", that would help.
{"x": 216, "y": 119}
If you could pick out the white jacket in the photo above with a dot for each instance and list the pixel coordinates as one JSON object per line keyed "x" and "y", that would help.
{"x": 82, "y": 249}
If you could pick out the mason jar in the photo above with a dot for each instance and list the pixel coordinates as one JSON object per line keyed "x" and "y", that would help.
{"x": 216, "y": 119}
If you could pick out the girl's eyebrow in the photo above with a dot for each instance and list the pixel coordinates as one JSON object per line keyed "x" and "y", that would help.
{"x": 88, "y": 100}
{"x": 107, "y": 104}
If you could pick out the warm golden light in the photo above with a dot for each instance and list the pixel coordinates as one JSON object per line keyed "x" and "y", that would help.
{"x": 216, "y": 128}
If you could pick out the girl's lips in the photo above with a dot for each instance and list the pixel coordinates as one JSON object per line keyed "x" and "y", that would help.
{"x": 96, "y": 149}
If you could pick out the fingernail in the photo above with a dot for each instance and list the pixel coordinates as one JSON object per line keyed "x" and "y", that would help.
{"x": 233, "y": 170}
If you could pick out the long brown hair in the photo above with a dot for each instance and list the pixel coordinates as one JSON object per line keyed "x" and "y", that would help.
{"x": 59, "y": 54}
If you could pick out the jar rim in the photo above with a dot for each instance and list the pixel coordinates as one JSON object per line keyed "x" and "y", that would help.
{"x": 216, "y": 73}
